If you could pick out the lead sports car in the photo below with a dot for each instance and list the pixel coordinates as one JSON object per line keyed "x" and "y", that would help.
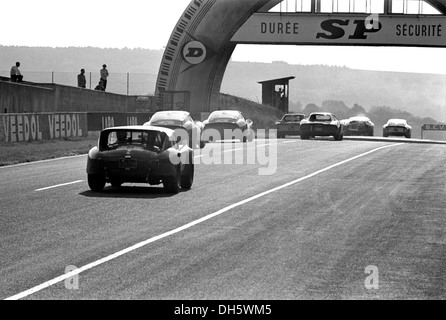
{"x": 321, "y": 124}
{"x": 289, "y": 124}
{"x": 140, "y": 154}
{"x": 359, "y": 126}
{"x": 227, "y": 125}
{"x": 175, "y": 119}
{"x": 397, "y": 127}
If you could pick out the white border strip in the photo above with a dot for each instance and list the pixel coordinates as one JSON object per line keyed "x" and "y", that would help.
{"x": 59, "y": 185}
{"x": 184, "y": 227}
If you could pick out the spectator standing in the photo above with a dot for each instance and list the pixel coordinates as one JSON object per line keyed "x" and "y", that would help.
{"x": 104, "y": 75}
{"x": 16, "y": 75}
{"x": 81, "y": 82}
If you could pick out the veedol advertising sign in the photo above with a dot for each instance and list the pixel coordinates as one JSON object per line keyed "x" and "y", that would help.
{"x": 26, "y": 127}
{"x": 338, "y": 29}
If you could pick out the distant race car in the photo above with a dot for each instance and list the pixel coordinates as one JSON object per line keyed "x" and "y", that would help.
{"x": 176, "y": 119}
{"x": 358, "y": 126}
{"x": 289, "y": 124}
{"x": 140, "y": 154}
{"x": 227, "y": 124}
{"x": 321, "y": 124}
{"x": 397, "y": 127}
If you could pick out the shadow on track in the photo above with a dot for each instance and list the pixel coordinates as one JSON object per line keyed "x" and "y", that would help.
{"x": 128, "y": 192}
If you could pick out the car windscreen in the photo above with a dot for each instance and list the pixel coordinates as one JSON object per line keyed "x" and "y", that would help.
{"x": 320, "y": 117}
{"x": 147, "y": 139}
{"x": 293, "y": 118}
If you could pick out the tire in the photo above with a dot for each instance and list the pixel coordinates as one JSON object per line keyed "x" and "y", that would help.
{"x": 96, "y": 182}
{"x": 244, "y": 139}
{"x": 338, "y": 136}
{"x": 172, "y": 184}
{"x": 187, "y": 176}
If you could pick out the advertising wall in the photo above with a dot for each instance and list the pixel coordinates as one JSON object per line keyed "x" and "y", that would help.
{"x": 27, "y": 127}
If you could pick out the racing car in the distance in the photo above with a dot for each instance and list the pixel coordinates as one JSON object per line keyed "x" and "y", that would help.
{"x": 289, "y": 124}
{"x": 358, "y": 126}
{"x": 177, "y": 120}
{"x": 227, "y": 125}
{"x": 397, "y": 127}
{"x": 321, "y": 124}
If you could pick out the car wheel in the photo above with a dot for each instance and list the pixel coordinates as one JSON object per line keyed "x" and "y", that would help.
{"x": 408, "y": 136}
{"x": 244, "y": 139}
{"x": 338, "y": 137}
{"x": 172, "y": 184}
{"x": 187, "y": 176}
{"x": 96, "y": 182}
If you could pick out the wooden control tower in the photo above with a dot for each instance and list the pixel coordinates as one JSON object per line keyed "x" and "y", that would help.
{"x": 276, "y": 92}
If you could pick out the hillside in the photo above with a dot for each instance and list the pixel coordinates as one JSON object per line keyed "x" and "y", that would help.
{"x": 423, "y": 95}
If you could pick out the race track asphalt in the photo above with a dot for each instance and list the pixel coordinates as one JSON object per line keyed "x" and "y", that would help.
{"x": 330, "y": 213}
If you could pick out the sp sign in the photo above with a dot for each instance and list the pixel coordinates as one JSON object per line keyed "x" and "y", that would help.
{"x": 334, "y": 29}
{"x": 194, "y": 52}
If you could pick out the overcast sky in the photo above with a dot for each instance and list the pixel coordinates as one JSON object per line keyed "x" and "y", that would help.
{"x": 149, "y": 23}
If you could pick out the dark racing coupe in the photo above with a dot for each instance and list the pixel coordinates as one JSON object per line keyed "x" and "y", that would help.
{"x": 227, "y": 125}
{"x": 140, "y": 154}
{"x": 321, "y": 124}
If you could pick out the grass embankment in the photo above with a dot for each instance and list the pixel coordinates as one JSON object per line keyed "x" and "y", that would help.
{"x": 19, "y": 152}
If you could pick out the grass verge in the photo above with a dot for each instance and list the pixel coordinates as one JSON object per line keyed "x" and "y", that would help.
{"x": 20, "y": 152}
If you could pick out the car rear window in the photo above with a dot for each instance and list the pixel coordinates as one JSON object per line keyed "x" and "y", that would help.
{"x": 114, "y": 139}
{"x": 293, "y": 118}
{"x": 320, "y": 117}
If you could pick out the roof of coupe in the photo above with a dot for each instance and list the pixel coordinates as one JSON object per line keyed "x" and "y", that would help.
{"x": 142, "y": 128}
{"x": 225, "y": 113}
{"x": 397, "y": 122}
{"x": 359, "y": 118}
{"x": 171, "y": 114}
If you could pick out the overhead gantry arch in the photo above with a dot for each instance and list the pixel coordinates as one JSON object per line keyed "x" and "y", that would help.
{"x": 201, "y": 45}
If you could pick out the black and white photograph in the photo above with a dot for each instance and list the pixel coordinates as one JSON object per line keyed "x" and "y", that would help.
{"x": 223, "y": 158}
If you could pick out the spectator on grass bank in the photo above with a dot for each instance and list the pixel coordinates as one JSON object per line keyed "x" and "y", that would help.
{"x": 104, "y": 75}
{"x": 16, "y": 75}
{"x": 81, "y": 82}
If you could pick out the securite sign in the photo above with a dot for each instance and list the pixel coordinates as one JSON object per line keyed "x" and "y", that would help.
{"x": 338, "y": 29}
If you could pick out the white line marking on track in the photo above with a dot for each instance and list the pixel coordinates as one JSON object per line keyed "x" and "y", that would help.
{"x": 59, "y": 185}
{"x": 184, "y": 227}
